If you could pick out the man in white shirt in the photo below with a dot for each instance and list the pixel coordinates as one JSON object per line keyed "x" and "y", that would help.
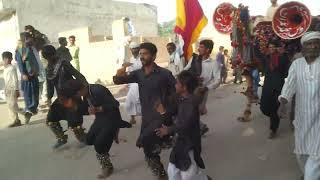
{"x": 271, "y": 10}
{"x": 304, "y": 81}
{"x": 11, "y": 88}
{"x": 175, "y": 64}
{"x": 74, "y": 51}
{"x": 208, "y": 72}
{"x": 132, "y": 105}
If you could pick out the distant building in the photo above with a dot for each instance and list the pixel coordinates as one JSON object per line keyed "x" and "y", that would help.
{"x": 53, "y": 16}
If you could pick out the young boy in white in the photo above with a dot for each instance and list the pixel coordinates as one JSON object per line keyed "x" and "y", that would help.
{"x": 11, "y": 88}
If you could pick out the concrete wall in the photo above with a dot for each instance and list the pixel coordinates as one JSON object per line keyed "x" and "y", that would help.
{"x": 9, "y": 34}
{"x": 161, "y": 43}
{"x": 99, "y": 60}
{"x": 54, "y": 16}
{"x": 82, "y": 35}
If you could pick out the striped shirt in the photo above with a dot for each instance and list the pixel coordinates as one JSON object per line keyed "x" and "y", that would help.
{"x": 304, "y": 81}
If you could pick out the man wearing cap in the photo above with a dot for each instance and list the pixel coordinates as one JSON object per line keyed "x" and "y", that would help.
{"x": 132, "y": 105}
{"x": 304, "y": 81}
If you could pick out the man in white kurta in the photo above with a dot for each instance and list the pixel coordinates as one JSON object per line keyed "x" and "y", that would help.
{"x": 132, "y": 105}
{"x": 304, "y": 81}
{"x": 74, "y": 51}
{"x": 175, "y": 64}
{"x": 271, "y": 10}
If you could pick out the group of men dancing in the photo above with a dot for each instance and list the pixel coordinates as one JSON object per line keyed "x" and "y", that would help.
{"x": 170, "y": 101}
{"x": 170, "y": 107}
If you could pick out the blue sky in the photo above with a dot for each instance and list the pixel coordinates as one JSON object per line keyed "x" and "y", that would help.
{"x": 167, "y": 9}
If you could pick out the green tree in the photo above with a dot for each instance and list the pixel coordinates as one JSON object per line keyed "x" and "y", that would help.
{"x": 165, "y": 29}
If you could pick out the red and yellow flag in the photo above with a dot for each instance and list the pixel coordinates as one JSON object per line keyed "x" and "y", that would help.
{"x": 190, "y": 21}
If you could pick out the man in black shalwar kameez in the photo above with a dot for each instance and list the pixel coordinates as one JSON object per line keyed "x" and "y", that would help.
{"x": 58, "y": 72}
{"x": 276, "y": 70}
{"x": 155, "y": 84}
{"x": 104, "y": 130}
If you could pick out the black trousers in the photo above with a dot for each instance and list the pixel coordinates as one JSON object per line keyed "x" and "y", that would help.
{"x": 74, "y": 118}
{"x": 101, "y": 136}
{"x": 274, "y": 121}
{"x": 151, "y": 145}
{"x": 50, "y": 89}
{"x": 104, "y": 130}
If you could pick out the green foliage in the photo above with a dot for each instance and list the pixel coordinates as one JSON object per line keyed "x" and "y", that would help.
{"x": 165, "y": 29}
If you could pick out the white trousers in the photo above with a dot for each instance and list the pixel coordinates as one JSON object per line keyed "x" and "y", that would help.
{"x": 193, "y": 173}
{"x": 12, "y": 101}
{"x": 43, "y": 91}
{"x": 310, "y": 166}
{"x": 132, "y": 104}
{"x": 173, "y": 68}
